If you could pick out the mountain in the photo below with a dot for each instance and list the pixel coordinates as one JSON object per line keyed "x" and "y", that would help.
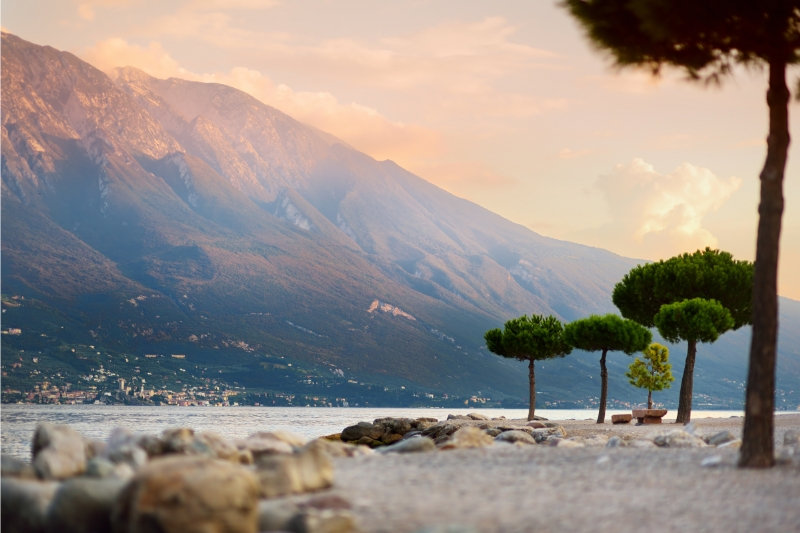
{"x": 149, "y": 216}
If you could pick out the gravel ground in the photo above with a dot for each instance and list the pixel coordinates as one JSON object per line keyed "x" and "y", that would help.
{"x": 539, "y": 488}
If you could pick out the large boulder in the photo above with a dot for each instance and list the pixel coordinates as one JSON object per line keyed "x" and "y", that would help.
{"x": 468, "y": 437}
{"x": 83, "y": 504}
{"x": 307, "y": 470}
{"x": 189, "y": 494}
{"x": 361, "y": 431}
{"x": 59, "y": 451}
{"x": 24, "y": 504}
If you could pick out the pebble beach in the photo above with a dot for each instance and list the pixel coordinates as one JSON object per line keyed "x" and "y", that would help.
{"x": 591, "y": 488}
{"x": 464, "y": 474}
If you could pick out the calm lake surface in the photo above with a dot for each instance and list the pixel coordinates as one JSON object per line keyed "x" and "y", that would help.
{"x": 97, "y": 421}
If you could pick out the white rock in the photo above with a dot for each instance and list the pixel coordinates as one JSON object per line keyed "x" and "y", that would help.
{"x": 712, "y": 461}
{"x": 568, "y": 443}
{"x": 679, "y": 438}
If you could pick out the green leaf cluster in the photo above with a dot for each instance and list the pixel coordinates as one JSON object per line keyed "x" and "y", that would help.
{"x": 710, "y": 274}
{"x": 527, "y": 338}
{"x": 607, "y": 333}
{"x": 653, "y": 371}
{"x": 697, "y": 319}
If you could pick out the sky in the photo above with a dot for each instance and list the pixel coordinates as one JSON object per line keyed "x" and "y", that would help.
{"x": 505, "y": 104}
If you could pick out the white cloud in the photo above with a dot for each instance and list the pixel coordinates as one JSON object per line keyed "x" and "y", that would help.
{"x": 153, "y": 59}
{"x": 653, "y": 214}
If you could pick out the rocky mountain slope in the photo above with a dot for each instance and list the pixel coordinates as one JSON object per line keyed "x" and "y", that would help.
{"x": 147, "y": 215}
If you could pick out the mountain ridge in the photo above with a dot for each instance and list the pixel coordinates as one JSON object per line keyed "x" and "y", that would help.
{"x": 227, "y": 222}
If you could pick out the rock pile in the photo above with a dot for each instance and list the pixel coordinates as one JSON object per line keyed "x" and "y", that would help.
{"x": 180, "y": 481}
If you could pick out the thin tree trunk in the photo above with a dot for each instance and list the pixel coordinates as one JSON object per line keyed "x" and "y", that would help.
{"x": 532, "y": 394}
{"x": 601, "y": 415}
{"x": 685, "y": 396}
{"x": 649, "y": 399}
{"x": 757, "y": 435}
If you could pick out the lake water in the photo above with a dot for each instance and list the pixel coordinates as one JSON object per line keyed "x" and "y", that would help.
{"x": 97, "y": 421}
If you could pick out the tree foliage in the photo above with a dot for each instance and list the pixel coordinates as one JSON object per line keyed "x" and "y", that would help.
{"x": 697, "y": 320}
{"x": 606, "y": 333}
{"x": 529, "y": 338}
{"x": 711, "y": 274}
{"x": 705, "y": 39}
{"x": 652, "y": 372}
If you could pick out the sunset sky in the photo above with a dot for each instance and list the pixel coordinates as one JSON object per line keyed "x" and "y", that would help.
{"x": 502, "y": 103}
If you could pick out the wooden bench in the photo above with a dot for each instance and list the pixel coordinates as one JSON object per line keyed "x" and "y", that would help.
{"x": 648, "y": 416}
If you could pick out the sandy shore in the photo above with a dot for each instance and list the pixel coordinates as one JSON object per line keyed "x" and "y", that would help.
{"x": 505, "y": 488}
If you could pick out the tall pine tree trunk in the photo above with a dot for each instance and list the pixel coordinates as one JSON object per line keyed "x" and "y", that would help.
{"x": 532, "y": 392}
{"x": 649, "y": 399}
{"x": 685, "y": 396}
{"x": 757, "y": 435}
{"x": 601, "y": 415}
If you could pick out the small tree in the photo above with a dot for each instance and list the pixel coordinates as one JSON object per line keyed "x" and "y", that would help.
{"x": 606, "y": 333}
{"x": 653, "y": 372}
{"x": 695, "y": 320}
{"x": 529, "y": 338}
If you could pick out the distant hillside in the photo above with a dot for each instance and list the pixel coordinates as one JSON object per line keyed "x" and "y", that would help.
{"x": 166, "y": 216}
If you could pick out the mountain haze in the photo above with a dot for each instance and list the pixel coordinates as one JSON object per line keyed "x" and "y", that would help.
{"x": 170, "y": 216}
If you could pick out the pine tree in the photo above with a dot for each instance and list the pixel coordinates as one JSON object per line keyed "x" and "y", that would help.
{"x": 653, "y": 372}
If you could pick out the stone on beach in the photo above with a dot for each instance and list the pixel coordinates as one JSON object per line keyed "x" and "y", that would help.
{"x": 59, "y": 451}
{"x": 266, "y": 443}
{"x": 189, "y": 494}
{"x": 415, "y": 444}
{"x": 306, "y": 470}
{"x": 363, "y": 432}
{"x": 83, "y": 504}
{"x": 306, "y": 517}
{"x": 720, "y": 438}
{"x": 468, "y": 437}
{"x": 24, "y": 504}
{"x": 542, "y": 435}
{"x": 337, "y": 448}
{"x": 515, "y": 436}
{"x": 678, "y": 438}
